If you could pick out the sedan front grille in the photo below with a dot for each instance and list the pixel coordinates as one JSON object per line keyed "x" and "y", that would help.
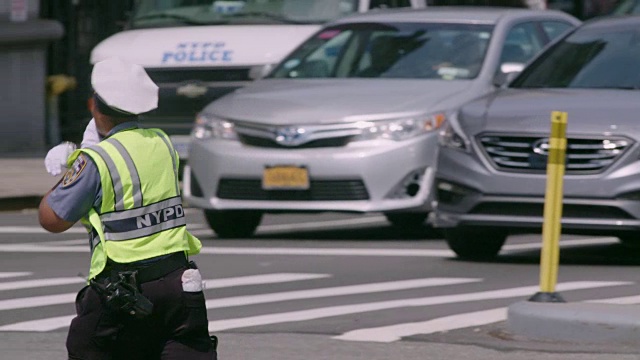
{"x": 270, "y": 143}
{"x": 319, "y": 190}
{"x": 529, "y": 153}
{"x": 297, "y": 136}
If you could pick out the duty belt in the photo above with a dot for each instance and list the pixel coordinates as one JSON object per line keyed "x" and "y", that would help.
{"x": 147, "y": 271}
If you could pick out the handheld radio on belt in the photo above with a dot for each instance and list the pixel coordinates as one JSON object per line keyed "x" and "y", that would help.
{"x": 123, "y": 295}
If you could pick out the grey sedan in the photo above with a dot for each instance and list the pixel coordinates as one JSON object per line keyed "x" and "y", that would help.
{"x": 348, "y": 121}
{"x": 491, "y": 177}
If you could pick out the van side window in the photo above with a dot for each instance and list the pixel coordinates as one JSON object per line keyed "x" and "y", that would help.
{"x": 386, "y": 4}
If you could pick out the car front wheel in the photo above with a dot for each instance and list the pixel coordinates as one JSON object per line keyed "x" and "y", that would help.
{"x": 475, "y": 243}
{"x": 233, "y": 223}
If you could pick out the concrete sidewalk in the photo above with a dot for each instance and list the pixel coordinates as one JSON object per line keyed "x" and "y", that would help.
{"x": 24, "y": 181}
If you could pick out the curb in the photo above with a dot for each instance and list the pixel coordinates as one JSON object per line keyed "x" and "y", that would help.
{"x": 20, "y": 203}
{"x": 575, "y": 322}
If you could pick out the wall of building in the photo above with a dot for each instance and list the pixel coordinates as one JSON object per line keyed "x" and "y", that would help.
{"x": 23, "y": 43}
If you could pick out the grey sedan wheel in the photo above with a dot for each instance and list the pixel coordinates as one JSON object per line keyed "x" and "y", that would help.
{"x": 475, "y": 243}
{"x": 233, "y": 223}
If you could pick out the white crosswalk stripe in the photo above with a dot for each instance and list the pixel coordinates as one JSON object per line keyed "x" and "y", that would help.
{"x": 333, "y": 294}
{"x": 235, "y": 300}
{"x": 459, "y": 321}
{"x": 80, "y": 246}
{"x": 39, "y": 283}
{"x": 4, "y": 275}
{"x": 41, "y": 325}
{"x": 319, "y": 313}
{"x": 397, "y": 331}
{"x": 334, "y": 291}
{"x": 59, "y": 299}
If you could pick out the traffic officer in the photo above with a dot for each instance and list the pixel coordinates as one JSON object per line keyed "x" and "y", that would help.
{"x": 144, "y": 299}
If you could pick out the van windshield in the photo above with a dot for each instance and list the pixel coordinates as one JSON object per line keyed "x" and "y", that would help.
{"x": 154, "y": 13}
{"x": 449, "y": 51}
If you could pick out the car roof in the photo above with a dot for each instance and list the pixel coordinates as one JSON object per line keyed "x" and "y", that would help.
{"x": 619, "y": 22}
{"x": 456, "y": 14}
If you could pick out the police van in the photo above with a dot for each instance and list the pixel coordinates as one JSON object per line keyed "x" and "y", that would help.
{"x": 196, "y": 51}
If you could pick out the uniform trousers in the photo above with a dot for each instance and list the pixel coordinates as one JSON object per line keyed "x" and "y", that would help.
{"x": 177, "y": 329}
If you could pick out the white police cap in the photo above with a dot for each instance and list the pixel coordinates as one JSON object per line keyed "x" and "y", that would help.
{"x": 124, "y": 87}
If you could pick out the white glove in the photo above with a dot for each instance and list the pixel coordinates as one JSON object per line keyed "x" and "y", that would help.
{"x": 90, "y": 136}
{"x": 56, "y": 160}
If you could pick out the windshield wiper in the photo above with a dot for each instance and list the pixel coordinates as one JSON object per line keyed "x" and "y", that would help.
{"x": 266, "y": 14}
{"x": 181, "y": 18}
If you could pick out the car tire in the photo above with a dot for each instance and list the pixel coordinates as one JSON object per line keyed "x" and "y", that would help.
{"x": 407, "y": 220}
{"x": 475, "y": 243}
{"x": 233, "y": 223}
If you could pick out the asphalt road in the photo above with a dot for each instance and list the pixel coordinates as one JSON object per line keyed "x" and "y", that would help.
{"x": 326, "y": 286}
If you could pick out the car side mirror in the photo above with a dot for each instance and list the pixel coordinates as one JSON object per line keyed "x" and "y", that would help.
{"x": 508, "y": 71}
{"x": 259, "y": 72}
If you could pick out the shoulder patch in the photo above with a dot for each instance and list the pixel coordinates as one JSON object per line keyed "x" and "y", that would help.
{"x": 74, "y": 171}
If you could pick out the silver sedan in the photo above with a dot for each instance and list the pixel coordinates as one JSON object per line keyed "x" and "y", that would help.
{"x": 492, "y": 177}
{"x": 348, "y": 121}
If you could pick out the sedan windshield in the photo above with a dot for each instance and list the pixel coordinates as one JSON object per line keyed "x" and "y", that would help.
{"x": 592, "y": 58}
{"x": 399, "y": 50}
{"x": 151, "y": 13}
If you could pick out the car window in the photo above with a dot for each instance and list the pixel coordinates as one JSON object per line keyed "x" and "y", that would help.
{"x": 554, "y": 29}
{"x": 522, "y": 43}
{"x": 405, "y": 50}
{"x": 202, "y": 12}
{"x": 319, "y": 56}
{"x": 588, "y": 59}
{"x": 382, "y": 4}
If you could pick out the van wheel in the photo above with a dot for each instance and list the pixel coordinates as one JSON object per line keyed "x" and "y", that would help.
{"x": 407, "y": 221}
{"x": 475, "y": 243}
{"x": 233, "y": 223}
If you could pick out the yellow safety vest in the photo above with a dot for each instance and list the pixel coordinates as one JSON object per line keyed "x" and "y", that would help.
{"x": 141, "y": 215}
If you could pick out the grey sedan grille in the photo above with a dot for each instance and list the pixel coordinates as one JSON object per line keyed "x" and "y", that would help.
{"x": 529, "y": 153}
{"x": 296, "y": 136}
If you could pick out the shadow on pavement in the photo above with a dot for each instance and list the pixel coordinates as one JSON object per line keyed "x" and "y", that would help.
{"x": 600, "y": 255}
{"x": 370, "y": 233}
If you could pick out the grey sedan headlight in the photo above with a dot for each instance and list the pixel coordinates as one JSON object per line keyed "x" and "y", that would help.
{"x": 451, "y": 136}
{"x": 212, "y": 127}
{"x": 401, "y": 128}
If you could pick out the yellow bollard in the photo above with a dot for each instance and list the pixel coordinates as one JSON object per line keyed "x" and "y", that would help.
{"x": 551, "y": 227}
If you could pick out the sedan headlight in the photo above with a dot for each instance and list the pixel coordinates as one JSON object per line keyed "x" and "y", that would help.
{"x": 399, "y": 129}
{"x": 451, "y": 136}
{"x": 211, "y": 127}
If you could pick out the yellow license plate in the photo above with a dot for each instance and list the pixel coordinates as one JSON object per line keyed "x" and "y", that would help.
{"x": 285, "y": 178}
